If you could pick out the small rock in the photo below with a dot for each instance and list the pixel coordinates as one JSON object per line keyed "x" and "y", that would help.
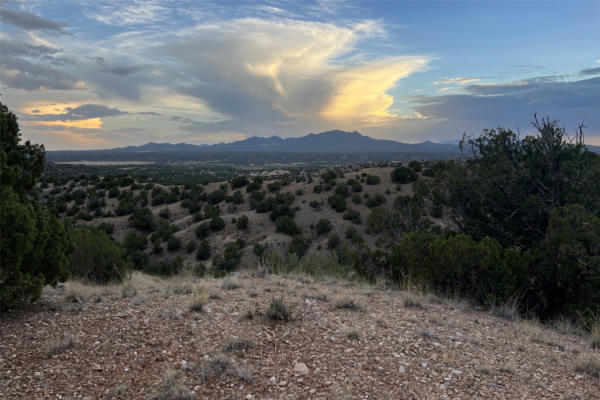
{"x": 282, "y": 383}
{"x": 249, "y": 397}
{"x": 272, "y": 380}
{"x": 301, "y": 368}
{"x": 402, "y": 369}
{"x": 37, "y": 373}
{"x": 457, "y": 372}
{"x": 424, "y": 365}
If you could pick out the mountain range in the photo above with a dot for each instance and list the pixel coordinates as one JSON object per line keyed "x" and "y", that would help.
{"x": 335, "y": 141}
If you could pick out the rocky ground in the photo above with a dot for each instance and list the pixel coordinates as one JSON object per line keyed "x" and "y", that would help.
{"x": 141, "y": 340}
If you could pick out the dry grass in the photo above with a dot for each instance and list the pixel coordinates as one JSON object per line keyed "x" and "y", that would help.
{"x": 280, "y": 311}
{"x": 199, "y": 300}
{"x": 172, "y": 388}
{"x": 589, "y": 365}
{"x": 412, "y": 300}
{"x": 230, "y": 284}
{"x": 58, "y": 346}
{"x": 347, "y": 303}
{"x": 239, "y": 345}
{"x": 353, "y": 334}
{"x": 595, "y": 336}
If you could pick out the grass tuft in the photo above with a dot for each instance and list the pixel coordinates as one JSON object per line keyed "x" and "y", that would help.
{"x": 172, "y": 388}
{"x": 61, "y": 345}
{"x": 347, "y": 303}
{"x": 280, "y": 311}
{"x": 199, "y": 300}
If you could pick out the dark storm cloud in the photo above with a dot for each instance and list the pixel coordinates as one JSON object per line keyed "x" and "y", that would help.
{"x": 30, "y": 22}
{"x": 84, "y": 111}
{"x": 19, "y": 73}
{"x": 513, "y": 105}
{"x": 119, "y": 70}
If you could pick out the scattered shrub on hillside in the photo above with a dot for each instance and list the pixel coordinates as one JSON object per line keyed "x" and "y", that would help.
{"x": 157, "y": 248}
{"x": 298, "y": 245}
{"x": 174, "y": 243}
{"x": 353, "y": 216}
{"x": 323, "y": 226}
{"x": 216, "y": 224}
{"x": 242, "y": 222}
{"x": 165, "y": 213}
{"x": 437, "y": 211}
{"x": 333, "y": 241}
{"x": 415, "y": 166}
{"x": 107, "y": 227}
{"x": 231, "y": 258}
{"x": 337, "y": 202}
{"x": 274, "y": 186}
{"x": 373, "y": 180}
{"x": 342, "y": 190}
{"x": 191, "y": 246}
{"x": 238, "y": 197}
{"x": 315, "y": 204}
{"x": 318, "y": 189}
{"x": 143, "y": 219}
{"x": 96, "y": 257}
{"x": 287, "y": 225}
{"x": 239, "y": 182}
{"x": 165, "y": 268}
{"x": 403, "y": 175}
{"x": 259, "y": 249}
{"x": 376, "y": 200}
{"x": 203, "y": 252}
{"x": 202, "y": 231}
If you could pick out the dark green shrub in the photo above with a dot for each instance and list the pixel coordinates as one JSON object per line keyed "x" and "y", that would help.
{"x": 165, "y": 268}
{"x": 238, "y": 197}
{"x": 279, "y": 311}
{"x": 274, "y": 186}
{"x": 314, "y": 204}
{"x": 96, "y": 257}
{"x": 239, "y": 182}
{"x": 287, "y": 225}
{"x": 157, "y": 248}
{"x": 134, "y": 242}
{"x": 342, "y": 190}
{"x": 202, "y": 231}
{"x": 298, "y": 245}
{"x": 107, "y": 227}
{"x": 165, "y": 213}
{"x": 376, "y": 200}
{"x": 242, "y": 222}
{"x": 191, "y": 246}
{"x": 216, "y": 224}
{"x": 437, "y": 211}
{"x": 259, "y": 249}
{"x": 231, "y": 258}
{"x": 143, "y": 219}
{"x": 403, "y": 175}
{"x": 415, "y": 166}
{"x": 356, "y": 199}
{"x": 353, "y": 216}
{"x": 318, "y": 189}
{"x": 203, "y": 252}
{"x": 323, "y": 226}
{"x": 333, "y": 241}
{"x": 337, "y": 202}
{"x": 174, "y": 243}
{"x": 373, "y": 180}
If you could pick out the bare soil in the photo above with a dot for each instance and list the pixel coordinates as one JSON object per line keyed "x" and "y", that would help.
{"x": 83, "y": 342}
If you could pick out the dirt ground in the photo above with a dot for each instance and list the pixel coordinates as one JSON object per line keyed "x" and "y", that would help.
{"x": 345, "y": 341}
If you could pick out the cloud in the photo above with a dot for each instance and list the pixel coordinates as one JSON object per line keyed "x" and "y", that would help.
{"x": 19, "y": 73}
{"x": 14, "y": 48}
{"x": 590, "y": 71}
{"x": 512, "y": 105}
{"x": 81, "y": 112}
{"x": 122, "y": 14}
{"x": 264, "y": 71}
{"x": 459, "y": 81}
{"x": 30, "y": 22}
{"x": 119, "y": 70}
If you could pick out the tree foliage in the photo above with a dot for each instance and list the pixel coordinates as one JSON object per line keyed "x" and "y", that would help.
{"x": 33, "y": 243}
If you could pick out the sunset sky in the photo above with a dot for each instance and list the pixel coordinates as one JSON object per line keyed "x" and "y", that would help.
{"x": 102, "y": 74}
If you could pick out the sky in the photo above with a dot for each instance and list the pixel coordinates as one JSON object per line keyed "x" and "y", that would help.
{"x": 101, "y": 74}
